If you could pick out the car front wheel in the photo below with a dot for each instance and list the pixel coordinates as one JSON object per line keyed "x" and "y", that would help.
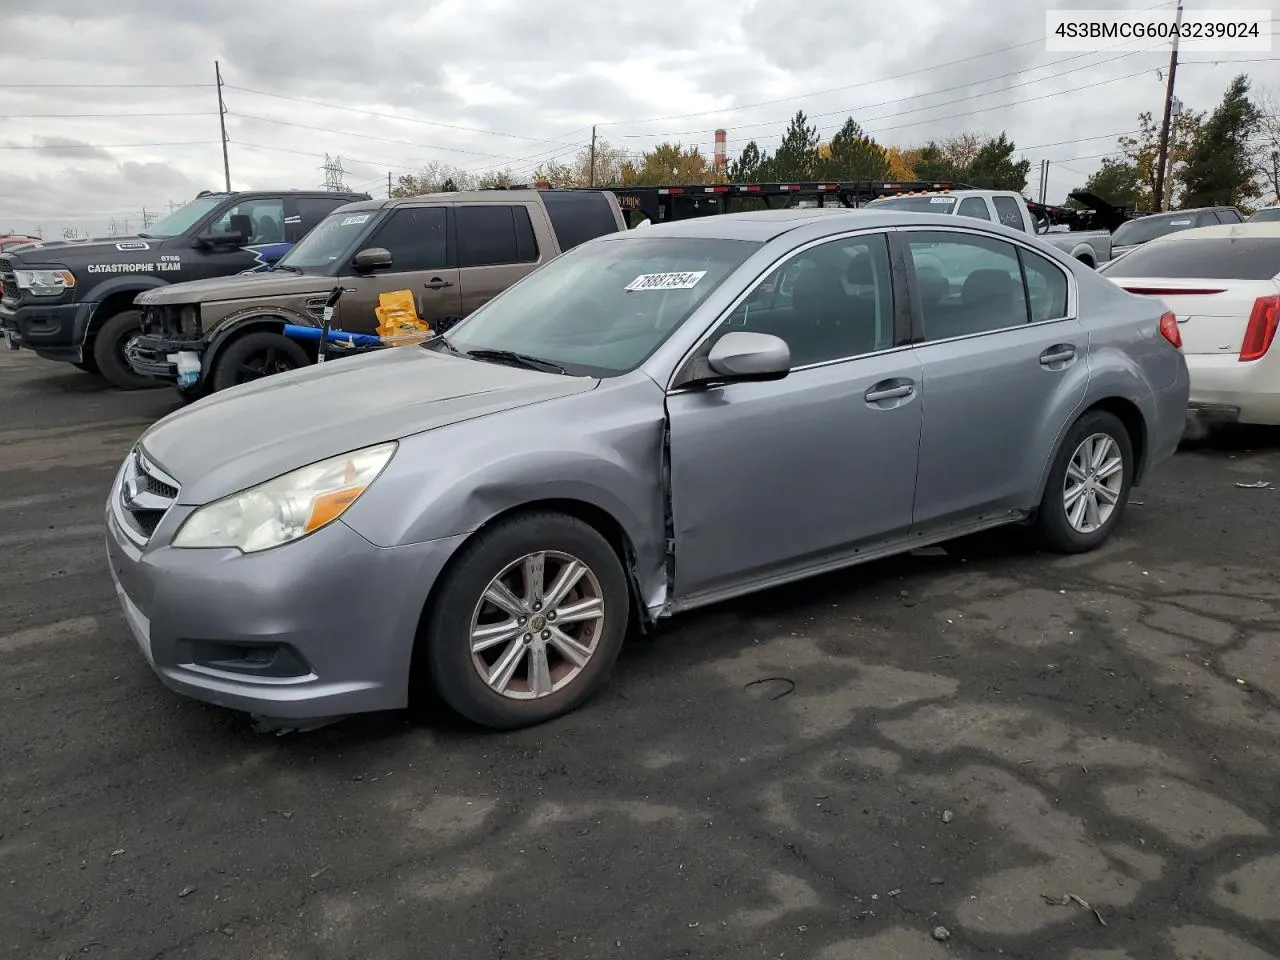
{"x": 528, "y": 621}
{"x": 1088, "y": 486}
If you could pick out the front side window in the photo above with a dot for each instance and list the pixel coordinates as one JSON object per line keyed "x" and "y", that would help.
{"x": 604, "y": 307}
{"x": 830, "y": 302}
{"x": 415, "y": 238}
{"x": 182, "y": 219}
{"x": 974, "y": 207}
{"x": 968, "y": 284}
{"x": 266, "y": 220}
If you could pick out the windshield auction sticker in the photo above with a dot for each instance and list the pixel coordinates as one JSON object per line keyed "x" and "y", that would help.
{"x": 666, "y": 281}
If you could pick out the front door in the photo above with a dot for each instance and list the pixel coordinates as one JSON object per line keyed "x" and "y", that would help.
{"x": 267, "y": 241}
{"x": 771, "y": 478}
{"x": 417, "y": 238}
{"x": 1005, "y": 365}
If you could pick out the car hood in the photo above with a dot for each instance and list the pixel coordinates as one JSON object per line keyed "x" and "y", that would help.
{"x": 273, "y": 283}
{"x": 74, "y": 254}
{"x": 251, "y": 433}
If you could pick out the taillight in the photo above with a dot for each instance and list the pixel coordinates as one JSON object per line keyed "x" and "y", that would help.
{"x": 1262, "y": 328}
{"x": 1169, "y": 329}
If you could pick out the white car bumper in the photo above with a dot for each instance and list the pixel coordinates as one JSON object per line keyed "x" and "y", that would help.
{"x": 1223, "y": 388}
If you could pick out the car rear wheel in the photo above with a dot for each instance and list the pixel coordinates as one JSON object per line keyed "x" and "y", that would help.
{"x": 257, "y": 355}
{"x": 109, "y": 351}
{"x": 1088, "y": 485}
{"x": 528, "y": 621}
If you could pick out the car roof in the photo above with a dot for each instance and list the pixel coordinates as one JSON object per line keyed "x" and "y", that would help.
{"x": 457, "y": 196}
{"x": 1265, "y": 229}
{"x": 764, "y": 225}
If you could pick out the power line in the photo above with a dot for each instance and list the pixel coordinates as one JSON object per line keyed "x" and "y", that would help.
{"x": 107, "y": 146}
{"x": 87, "y": 116}
{"x": 388, "y": 116}
{"x": 112, "y": 86}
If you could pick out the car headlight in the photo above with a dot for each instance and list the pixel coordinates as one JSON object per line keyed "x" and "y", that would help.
{"x": 288, "y": 507}
{"x": 44, "y": 283}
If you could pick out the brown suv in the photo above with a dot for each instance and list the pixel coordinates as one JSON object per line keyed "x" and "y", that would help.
{"x": 454, "y": 251}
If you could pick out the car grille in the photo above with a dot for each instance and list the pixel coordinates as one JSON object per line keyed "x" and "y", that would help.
{"x": 143, "y": 496}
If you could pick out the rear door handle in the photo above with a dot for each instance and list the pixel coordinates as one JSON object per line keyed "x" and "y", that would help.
{"x": 435, "y": 283}
{"x": 881, "y": 392}
{"x": 1058, "y": 354}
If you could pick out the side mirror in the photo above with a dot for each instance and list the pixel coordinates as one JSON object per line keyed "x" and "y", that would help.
{"x": 742, "y": 355}
{"x": 372, "y": 258}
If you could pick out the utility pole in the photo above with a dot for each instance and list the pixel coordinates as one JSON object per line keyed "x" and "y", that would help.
{"x": 388, "y": 184}
{"x": 222, "y": 122}
{"x": 1275, "y": 173}
{"x": 593, "y": 156}
{"x": 1162, "y": 153}
{"x": 1044, "y": 179}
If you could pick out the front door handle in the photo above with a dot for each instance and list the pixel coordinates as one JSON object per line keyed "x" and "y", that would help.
{"x": 435, "y": 283}
{"x": 1061, "y": 353}
{"x": 882, "y": 391}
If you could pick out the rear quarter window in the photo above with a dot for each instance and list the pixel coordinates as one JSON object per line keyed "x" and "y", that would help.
{"x": 1209, "y": 259}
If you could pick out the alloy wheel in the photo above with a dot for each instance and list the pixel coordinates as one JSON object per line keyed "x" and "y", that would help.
{"x": 537, "y": 625}
{"x": 1093, "y": 483}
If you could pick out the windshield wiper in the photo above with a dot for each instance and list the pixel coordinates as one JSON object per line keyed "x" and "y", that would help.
{"x": 287, "y": 266}
{"x": 147, "y": 236}
{"x": 518, "y": 359}
{"x": 440, "y": 339}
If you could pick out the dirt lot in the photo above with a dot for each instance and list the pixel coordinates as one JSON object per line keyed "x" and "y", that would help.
{"x": 1058, "y": 759}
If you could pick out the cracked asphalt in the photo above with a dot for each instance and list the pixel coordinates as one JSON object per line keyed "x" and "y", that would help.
{"x": 1052, "y": 758}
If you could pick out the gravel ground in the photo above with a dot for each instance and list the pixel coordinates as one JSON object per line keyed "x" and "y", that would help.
{"x": 987, "y": 752}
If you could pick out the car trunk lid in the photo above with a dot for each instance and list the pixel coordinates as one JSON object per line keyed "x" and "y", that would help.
{"x": 1212, "y": 314}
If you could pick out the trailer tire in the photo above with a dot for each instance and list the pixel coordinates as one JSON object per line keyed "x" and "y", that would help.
{"x": 108, "y": 351}
{"x": 256, "y": 355}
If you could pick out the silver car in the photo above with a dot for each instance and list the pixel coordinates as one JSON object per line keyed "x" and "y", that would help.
{"x": 655, "y": 421}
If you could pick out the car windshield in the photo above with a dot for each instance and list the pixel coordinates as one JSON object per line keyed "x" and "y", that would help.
{"x": 1266, "y": 215}
{"x": 602, "y": 308}
{"x": 916, "y": 204}
{"x": 1214, "y": 258}
{"x": 1149, "y": 228}
{"x": 328, "y": 242}
{"x": 182, "y": 219}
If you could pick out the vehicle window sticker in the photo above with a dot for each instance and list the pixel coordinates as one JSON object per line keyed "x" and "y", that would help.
{"x": 666, "y": 281}
{"x": 358, "y": 218}
{"x": 940, "y": 200}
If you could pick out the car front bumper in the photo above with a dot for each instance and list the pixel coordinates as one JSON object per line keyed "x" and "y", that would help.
{"x": 54, "y": 331}
{"x": 318, "y": 628}
{"x": 1225, "y": 390}
{"x": 149, "y": 355}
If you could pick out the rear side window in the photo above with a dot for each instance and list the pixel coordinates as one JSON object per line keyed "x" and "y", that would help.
{"x": 1009, "y": 212}
{"x": 1046, "y": 287}
{"x": 578, "y": 215}
{"x": 494, "y": 234}
{"x": 1230, "y": 216}
{"x": 974, "y": 207}
{"x": 415, "y": 237}
{"x": 1210, "y": 259}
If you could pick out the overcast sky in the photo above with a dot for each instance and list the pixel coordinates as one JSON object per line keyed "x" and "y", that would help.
{"x": 496, "y": 83}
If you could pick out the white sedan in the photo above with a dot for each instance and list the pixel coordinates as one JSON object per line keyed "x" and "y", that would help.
{"x": 1223, "y": 283}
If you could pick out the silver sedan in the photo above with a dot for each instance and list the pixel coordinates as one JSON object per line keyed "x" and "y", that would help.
{"x": 656, "y": 421}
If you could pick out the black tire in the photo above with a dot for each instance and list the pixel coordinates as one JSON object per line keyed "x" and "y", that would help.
{"x": 87, "y": 365}
{"x": 447, "y": 657}
{"x": 108, "y": 351}
{"x": 256, "y": 355}
{"x": 1052, "y": 519}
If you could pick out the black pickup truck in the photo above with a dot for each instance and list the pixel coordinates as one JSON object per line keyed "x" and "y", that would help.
{"x": 74, "y": 302}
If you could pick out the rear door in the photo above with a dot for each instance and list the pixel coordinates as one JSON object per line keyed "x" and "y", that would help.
{"x": 496, "y": 247}
{"x": 1004, "y": 362}
{"x": 1211, "y": 284}
{"x": 417, "y": 239}
{"x": 303, "y": 213}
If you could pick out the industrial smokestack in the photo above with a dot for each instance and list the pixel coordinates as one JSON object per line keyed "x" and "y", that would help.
{"x": 720, "y": 151}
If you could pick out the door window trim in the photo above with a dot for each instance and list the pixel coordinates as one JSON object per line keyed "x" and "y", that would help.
{"x": 900, "y": 308}
{"x": 918, "y": 337}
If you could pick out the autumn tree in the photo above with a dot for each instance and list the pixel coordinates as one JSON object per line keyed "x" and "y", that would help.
{"x": 1267, "y": 140}
{"x": 1221, "y": 166}
{"x": 668, "y": 163}
{"x": 751, "y": 166}
{"x": 852, "y": 155}
{"x": 1141, "y": 150}
{"x": 578, "y": 172}
{"x": 901, "y": 163}
{"x": 434, "y": 177}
